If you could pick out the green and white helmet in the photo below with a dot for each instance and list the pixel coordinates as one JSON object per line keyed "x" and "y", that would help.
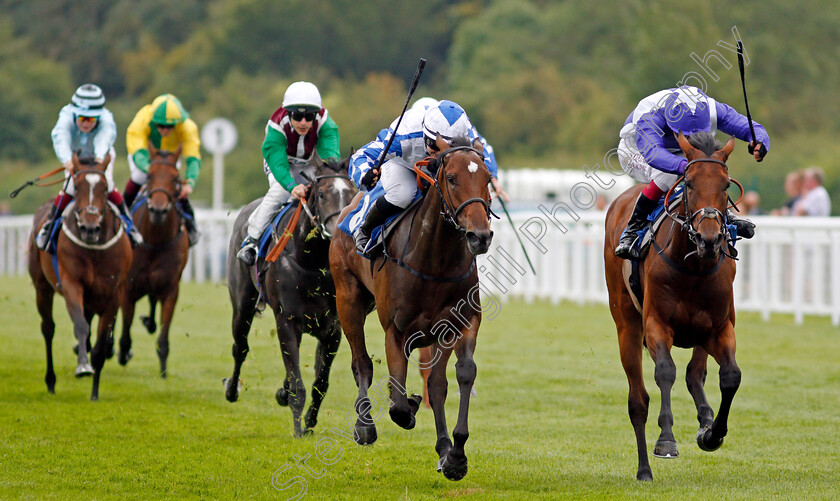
{"x": 88, "y": 101}
{"x": 302, "y": 96}
{"x": 168, "y": 110}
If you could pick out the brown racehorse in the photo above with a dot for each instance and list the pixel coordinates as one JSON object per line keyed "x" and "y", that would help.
{"x": 687, "y": 300}
{"x": 93, "y": 258}
{"x": 160, "y": 260}
{"x": 426, "y": 295}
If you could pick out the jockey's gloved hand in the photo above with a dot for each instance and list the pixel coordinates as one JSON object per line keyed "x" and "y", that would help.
{"x": 370, "y": 178}
{"x": 762, "y": 150}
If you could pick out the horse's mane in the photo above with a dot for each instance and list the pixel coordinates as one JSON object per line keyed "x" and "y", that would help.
{"x": 705, "y": 142}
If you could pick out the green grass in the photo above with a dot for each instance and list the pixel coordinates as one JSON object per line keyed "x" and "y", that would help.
{"x": 549, "y": 421}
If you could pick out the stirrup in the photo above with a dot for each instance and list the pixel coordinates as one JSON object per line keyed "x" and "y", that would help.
{"x": 248, "y": 253}
{"x": 362, "y": 240}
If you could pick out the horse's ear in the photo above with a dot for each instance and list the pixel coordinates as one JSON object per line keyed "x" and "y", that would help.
{"x": 727, "y": 148}
{"x": 478, "y": 146}
{"x": 685, "y": 145}
{"x": 441, "y": 143}
{"x": 76, "y": 164}
{"x": 105, "y": 161}
{"x": 178, "y": 152}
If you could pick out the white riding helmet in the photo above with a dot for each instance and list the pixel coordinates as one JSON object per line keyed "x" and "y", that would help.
{"x": 447, "y": 119}
{"x": 424, "y": 103}
{"x": 302, "y": 96}
{"x": 88, "y": 101}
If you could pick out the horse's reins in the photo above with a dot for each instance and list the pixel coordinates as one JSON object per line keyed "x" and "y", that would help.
{"x": 687, "y": 224}
{"x": 317, "y": 218}
{"x": 92, "y": 209}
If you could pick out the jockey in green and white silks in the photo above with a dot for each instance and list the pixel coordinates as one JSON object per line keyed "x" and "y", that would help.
{"x": 649, "y": 153}
{"x": 85, "y": 127}
{"x": 294, "y": 133}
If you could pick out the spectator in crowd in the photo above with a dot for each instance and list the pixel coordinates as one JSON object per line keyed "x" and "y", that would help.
{"x": 749, "y": 206}
{"x": 793, "y": 189}
{"x": 815, "y": 200}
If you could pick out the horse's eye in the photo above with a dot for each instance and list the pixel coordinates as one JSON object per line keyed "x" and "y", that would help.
{"x": 450, "y": 179}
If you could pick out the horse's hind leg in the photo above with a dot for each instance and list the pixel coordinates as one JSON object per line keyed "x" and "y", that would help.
{"x": 293, "y": 391}
{"x": 149, "y": 321}
{"x": 630, "y": 348}
{"x": 244, "y": 301}
{"x": 44, "y": 298}
{"x": 324, "y": 356}
{"x": 723, "y": 350}
{"x": 695, "y": 379}
{"x": 166, "y": 312}
{"x": 125, "y": 353}
{"x": 351, "y": 314}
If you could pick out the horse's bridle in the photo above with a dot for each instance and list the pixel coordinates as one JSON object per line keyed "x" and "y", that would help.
{"x": 318, "y": 219}
{"x": 171, "y": 196}
{"x": 90, "y": 208}
{"x": 449, "y": 211}
{"x": 687, "y": 224}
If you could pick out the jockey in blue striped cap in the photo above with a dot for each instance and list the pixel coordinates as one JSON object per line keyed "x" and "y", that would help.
{"x": 648, "y": 150}
{"x": 413, "y": 141}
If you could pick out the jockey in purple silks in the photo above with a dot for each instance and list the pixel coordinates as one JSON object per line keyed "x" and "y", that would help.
{"x": 648, "y": 150}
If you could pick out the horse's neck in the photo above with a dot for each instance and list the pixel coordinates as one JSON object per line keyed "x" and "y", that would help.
{"x": 308, "y": 247}
{"x": 434, "y": 243}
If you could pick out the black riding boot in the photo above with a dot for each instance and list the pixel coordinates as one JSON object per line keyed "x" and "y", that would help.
{"x": 43, "y": 237}
{"x": 638, "y": 220}
{"x": 381, "y": 211}
{"x": 189, "y": 221}
{"x": 133, "y": 235}
{"x": 743, "y": 227}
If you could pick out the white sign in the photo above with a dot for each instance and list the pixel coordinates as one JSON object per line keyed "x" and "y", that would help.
{"x": 219, "y": 136}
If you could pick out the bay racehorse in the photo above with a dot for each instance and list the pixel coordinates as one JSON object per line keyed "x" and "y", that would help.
{"x": 93, "y": 255}
{"x": 425, "y": 290}
{"x": 687, "y": 300}
{"x": 160, "y": 260}
{"x": 298, "y": 286}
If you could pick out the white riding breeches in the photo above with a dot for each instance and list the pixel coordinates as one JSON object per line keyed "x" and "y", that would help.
{"x": 634, "y": 164}
{"x": 399, "y": 181}
{"x": 273, "y": 199}
{"x": 138, "y": 176}
{"x": 109, "y": 176}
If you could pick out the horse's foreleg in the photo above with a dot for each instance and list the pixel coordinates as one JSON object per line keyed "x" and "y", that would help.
{"x": 723, "y": 350}
{"x": 324, "y": 356}
{"x": 454, "y": 464}
{"x": 665, "y": 374}
{"x": 166, "y": 312}
{"x": 293, "y": 391}
{"x": 125, "y": 353}
{"x": 438, "y": 388}
{"x": 630, "y": 348}
{"x": 44, "y": 299}
{"x": 149, "y": 321}
{"x": 402, "y": 408}
{"x": 104, "y": 344}
{"x": 695, "y": 379}
{"x": 73, "y": 296}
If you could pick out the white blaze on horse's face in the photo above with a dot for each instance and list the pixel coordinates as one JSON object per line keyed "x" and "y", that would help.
{"x": 92, "y": 180}
{"x": 472, "y": 167}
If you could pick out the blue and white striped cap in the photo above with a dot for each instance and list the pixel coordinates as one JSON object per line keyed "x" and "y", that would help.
{"x": 88, "y": 101}
{"x": 447, "y": 119}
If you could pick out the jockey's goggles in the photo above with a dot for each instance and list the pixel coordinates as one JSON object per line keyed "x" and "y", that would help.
{"x": 87, "y": 120}
{"x": 297, "y": 116}
{"x": 165, "y": 126}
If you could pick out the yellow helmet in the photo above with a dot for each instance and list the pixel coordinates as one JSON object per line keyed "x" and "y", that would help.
{"x": 168, "y": 110}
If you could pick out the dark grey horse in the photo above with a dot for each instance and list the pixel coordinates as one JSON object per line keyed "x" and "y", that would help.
{"x": 299, "y": 289}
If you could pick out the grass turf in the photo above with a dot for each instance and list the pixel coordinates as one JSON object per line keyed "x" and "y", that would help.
{"x": 550, "y": 419}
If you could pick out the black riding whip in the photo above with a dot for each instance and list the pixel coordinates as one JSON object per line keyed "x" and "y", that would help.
{"x": 499, "y": 198}
{"x": 744, "y": 86}
{"x": 414, "y": 81}
{"x": 33, "y": 181}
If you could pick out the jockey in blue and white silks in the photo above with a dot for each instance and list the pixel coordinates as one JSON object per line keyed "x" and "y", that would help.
{"x": 649, "y": 153}
{"x": 419, "y": 127}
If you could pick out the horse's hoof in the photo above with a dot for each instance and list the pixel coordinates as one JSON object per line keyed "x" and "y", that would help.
{"x": 231, "y": 391}
{"x": 414, "y": 401}
{"x": 706, "y": 442}
{"x": 365, "y": 435}
{"x": 644, "y": 474}
{"x": 310, "y": 420}
{"x": 149, "y": 324}
{"x": 305, "y": 433}
{"x": 666, "y": 449}
{"x": 123, "y": 358}
{"x": 84, "y": 370}
{"x": 110, "y": 353}
{"x": 163, "y": 374}
{"x": 453, "y": 468}
{"x": 403, "y": 419}
{"x": 282, "y": 397}
{"x": 94, "y": 397}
